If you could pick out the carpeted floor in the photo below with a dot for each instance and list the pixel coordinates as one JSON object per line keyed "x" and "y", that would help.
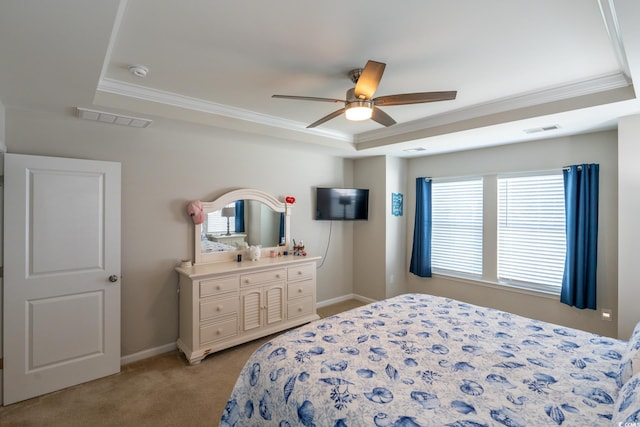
{"x": 160, "y": 391}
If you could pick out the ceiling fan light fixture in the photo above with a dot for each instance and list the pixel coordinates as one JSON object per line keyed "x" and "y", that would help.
{"x": 358, "y": 110}
{"x": 359, "y": 103}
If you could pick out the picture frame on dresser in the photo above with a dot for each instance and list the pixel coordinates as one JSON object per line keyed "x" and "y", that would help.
{"x": 224, "y": 302}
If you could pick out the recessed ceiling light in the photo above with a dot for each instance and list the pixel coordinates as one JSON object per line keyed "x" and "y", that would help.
{"x": 138, "y": 70}
{"x": 415, "y": 150}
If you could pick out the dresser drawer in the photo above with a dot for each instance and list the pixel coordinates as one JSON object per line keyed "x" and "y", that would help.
{"x": 300, "y": 307}
{"x": 262, "y": 277}
{"x": 218, "y": 331}
{"x": 299, "y": 272}
{"x": 216, "y": 286}
{"x": 299, "y": 289}
{"x": 218, "y": 307}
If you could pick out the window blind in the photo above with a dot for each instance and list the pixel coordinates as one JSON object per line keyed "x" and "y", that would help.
{"x": 456, "y": 240}
{"x": 217, "y": 224}
{"x": 531, "y": 231}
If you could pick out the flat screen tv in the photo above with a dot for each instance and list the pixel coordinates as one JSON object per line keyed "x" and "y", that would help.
{"x": 342, "y": 204}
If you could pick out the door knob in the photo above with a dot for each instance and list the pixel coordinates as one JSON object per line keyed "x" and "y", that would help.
{"x": 113, "y": 278}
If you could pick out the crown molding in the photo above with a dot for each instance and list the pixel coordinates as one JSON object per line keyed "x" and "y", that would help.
{"x": 610, "y": 20}
{"x": 572, "y": 90}
{"x": 559, "y": 93}
{"x": 190, "y": 103}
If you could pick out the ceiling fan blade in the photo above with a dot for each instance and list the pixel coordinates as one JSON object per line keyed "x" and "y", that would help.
{"x": 415, "y": 98}
{"x": 369, "y": 80}
{"x": 381, "y": 117}
{"x": 308, "y": 98}
{"x": 326, "y": 118}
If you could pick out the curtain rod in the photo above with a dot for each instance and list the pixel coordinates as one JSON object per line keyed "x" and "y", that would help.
{"x": 566, "y": 168}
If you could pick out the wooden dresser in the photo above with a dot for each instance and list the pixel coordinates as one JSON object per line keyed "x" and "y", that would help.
{"x": 228, "y": 303}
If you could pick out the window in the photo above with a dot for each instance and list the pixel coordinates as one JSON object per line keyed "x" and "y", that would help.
{"x": 456, "y": 240}
{"x": 531, "y": 231}
{"x": 526, "y": 210}
{"x": 217, "y": 224}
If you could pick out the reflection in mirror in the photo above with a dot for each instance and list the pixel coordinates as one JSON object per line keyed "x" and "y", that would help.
{"x": 240, "y": 224}
{"x": 238, "y": 219}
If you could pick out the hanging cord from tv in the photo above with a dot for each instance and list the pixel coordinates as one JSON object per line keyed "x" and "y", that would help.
{"x": 328, "y": 243}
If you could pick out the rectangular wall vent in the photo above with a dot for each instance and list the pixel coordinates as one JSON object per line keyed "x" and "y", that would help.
{"x": 117, "y": 119}
{"x": 542, "y": 129}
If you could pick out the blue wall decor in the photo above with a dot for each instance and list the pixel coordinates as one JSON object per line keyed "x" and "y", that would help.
{"x": 396, "y": 204}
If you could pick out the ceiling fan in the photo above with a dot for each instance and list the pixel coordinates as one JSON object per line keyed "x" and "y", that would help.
{"x": 360, "y": 104}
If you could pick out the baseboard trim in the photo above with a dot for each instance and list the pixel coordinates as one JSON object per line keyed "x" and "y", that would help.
{"x": 145, "y": 354}
{"x": 156, "y": 351}
{"x": 342, "y": 299}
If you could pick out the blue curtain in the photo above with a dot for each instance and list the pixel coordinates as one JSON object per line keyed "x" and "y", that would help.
{"x": 239, "y": 216}
{"x": 581, "y": 211}
{"x": 421, "y": 252}
{"x": 281, "y": 234}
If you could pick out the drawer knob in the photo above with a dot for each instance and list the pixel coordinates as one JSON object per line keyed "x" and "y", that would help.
{"x": 218, "y": 308}
{"x": 299, "y": 308}
{"x": 299, "y": 290}
{"x": 218, "y": 332}
{"x": 247, "y": 281}
{"x": 218, "y": 288}
{"x": 277, "y": 276}
{"x": 299, "y": 273}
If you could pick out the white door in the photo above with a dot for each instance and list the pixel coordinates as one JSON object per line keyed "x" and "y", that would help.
{"x": 61, "y": 273}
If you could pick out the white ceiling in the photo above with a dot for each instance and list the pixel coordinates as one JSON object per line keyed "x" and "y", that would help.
{"x": 516, "y": 65}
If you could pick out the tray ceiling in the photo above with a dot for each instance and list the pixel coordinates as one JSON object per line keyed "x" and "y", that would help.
{"x": 523, "y": 70}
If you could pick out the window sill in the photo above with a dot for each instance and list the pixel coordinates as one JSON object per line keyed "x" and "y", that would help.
{"x": 500, "y": 286}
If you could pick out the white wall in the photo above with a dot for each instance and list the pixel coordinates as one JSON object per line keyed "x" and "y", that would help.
{"x": 369, "y": 261}
{"x": 161, "y": 171}
{"x": 629, "y": 229}
{"x": 548, "y": 154}
{"x": 379, "y": 243}
{"x": 396, "y": 229}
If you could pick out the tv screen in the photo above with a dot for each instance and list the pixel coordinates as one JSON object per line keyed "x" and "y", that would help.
{"x": 342, "y": 204}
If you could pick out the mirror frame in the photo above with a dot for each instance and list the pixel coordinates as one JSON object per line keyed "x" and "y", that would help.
{"x": 225, "y": 199}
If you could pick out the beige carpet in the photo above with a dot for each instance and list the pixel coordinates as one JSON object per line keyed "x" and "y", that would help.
{"x": 160, "y": 391}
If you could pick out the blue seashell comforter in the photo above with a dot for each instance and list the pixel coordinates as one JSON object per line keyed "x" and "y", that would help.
{"x": 421, "y": 360}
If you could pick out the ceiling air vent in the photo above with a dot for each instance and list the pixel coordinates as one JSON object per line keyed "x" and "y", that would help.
{"x": 415, "y": 150}
{"x": 542, "y": 129}
{"x": 117, "y": 119}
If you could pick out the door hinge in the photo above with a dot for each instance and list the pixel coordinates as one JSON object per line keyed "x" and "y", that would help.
{"x": 1, "y": 271}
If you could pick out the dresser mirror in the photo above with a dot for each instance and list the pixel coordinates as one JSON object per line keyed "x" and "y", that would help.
{"x": 238, "y": 219}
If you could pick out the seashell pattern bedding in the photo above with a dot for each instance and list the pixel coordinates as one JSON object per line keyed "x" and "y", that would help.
{"x": 422, "y": 360}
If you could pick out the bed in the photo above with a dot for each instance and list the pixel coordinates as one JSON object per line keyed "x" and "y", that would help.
{"x": 210, "y": 246}
{"x": 421, "y": 360}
